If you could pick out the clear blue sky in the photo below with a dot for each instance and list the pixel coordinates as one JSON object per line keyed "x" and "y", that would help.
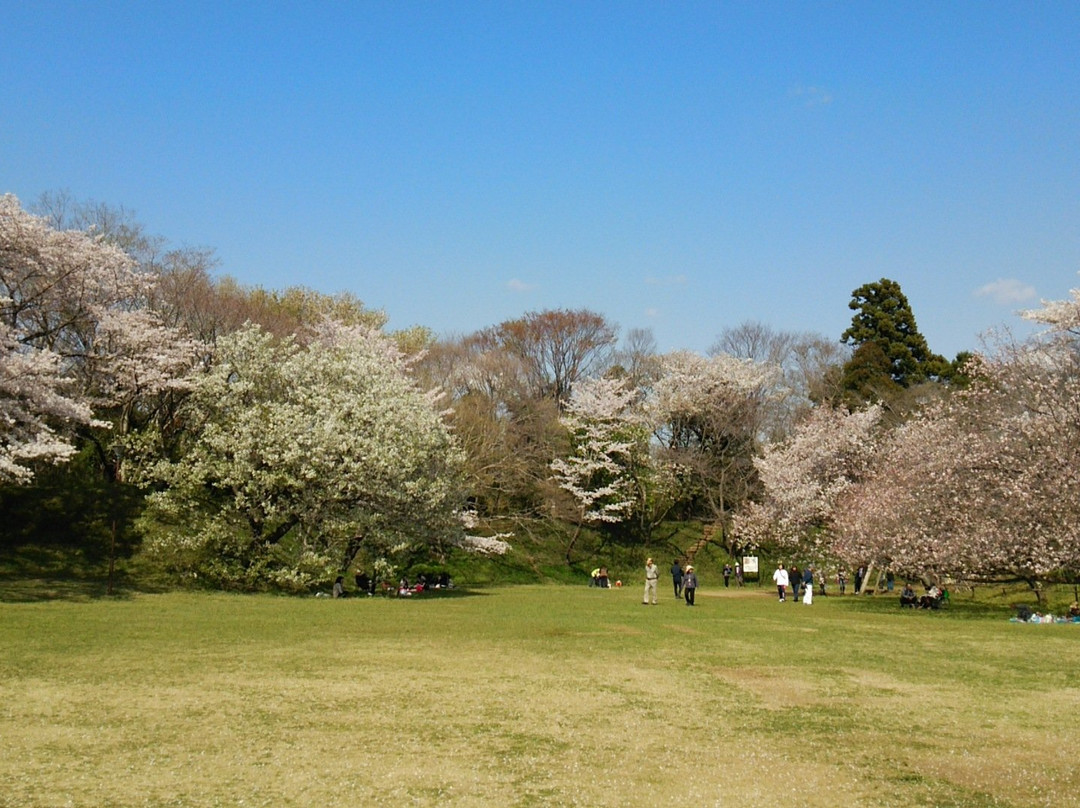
{"x": 677, "y": 166}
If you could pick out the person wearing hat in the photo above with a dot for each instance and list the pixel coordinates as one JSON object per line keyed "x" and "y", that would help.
{"x": 652, "y": 572}
{"x": 689, "y": 584}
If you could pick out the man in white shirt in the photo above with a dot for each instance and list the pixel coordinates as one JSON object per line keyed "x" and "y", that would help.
{"x": 780, "y": 578}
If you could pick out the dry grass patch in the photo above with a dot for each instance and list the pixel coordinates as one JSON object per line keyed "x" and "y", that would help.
{"x": 524, "y": 696}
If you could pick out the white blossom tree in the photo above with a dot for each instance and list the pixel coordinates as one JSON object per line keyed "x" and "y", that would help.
{"x": 1061, "y": 316}
{"x": 297, "y": 455}
{"x": 609, "y": 442}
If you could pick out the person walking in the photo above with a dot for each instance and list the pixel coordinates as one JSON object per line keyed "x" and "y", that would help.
{"x": 795, "y": 581}
{"x": 676, "y": 577}
{"x": 651, "y": 574}
{"x": 689, "y": 584}
{"x": 780, "y": 578}
{"x": 808, "y": 586}
{"x": 727, "y": 575}
{"x": 738, "y": 573}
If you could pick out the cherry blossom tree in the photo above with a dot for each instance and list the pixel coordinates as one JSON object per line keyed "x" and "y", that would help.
{"x": 1061, "y": 316}
{"x": 55, "y": 289}
{"x": 804, "y": 477}
{"x": 707, "y": 414}
{"x": 33, "y": 396}
{"x": 980, "y": 486}
{"x": 609, "y": 441}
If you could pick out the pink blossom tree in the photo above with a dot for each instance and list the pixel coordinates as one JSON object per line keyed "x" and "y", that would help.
{"x": 804, "y": 477}
{"x": 55, "y": 288}
{"x": 981, "y": 486}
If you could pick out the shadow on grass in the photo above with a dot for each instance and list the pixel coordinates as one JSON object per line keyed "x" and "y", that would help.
{"x": 36, "y": 577}
{"x": 69, "y": 587}
{"x": 35, "y": 574}
{"x": 439, "y": 594}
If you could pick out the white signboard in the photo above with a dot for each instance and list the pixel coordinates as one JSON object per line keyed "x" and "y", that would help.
{"x": 749, "y": 564}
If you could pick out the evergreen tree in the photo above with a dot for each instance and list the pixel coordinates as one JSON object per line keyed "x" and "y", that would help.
{"x": 884, "y": 318}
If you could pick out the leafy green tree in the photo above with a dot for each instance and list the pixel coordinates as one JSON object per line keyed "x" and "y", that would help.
{"x": 884, "y": 318}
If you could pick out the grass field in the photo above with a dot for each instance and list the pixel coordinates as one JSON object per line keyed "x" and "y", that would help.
{"x": 532, "y": 695}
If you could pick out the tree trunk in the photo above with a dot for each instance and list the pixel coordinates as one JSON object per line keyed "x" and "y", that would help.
{"x": 112, "y": 559}
{"x": 573, "y": 541}
{"x": 866, "y": 578}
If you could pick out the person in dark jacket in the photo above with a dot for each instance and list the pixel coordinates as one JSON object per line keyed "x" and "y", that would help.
{"x": 689, "y": 584}
{"x": 908, "y": 598}
{"x": 677, "y": 577}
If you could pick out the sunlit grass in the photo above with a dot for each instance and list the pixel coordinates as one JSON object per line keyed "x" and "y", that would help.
{"x": 531, "y": 696}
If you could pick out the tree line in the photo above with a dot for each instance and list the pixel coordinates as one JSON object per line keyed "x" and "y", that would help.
{"x": 268, "y": 438}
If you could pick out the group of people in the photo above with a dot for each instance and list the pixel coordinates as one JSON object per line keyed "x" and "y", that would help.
{"x": 737, "y": 570}
{"x": 684, "y": 582}
{"x": 1024, "y": 614}
{"x": 933, "y": 598}
{"x": 795, "y": 580}
{"x": 365, "y": 585}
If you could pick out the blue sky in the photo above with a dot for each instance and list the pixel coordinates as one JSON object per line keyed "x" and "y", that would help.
{"x": 675, "y": 166}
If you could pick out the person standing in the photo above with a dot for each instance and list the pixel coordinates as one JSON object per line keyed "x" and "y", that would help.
{"x": 727, "y": 575}
{"x": 780, "y": 578}
{"x": 676, "y": 577}
{"x": 651, "y": 574}
{"x": 808, "y": 586}
{"x": 794, "y": 580}
{"x": 738, "y": 573}
{"x": 841, "y": 580}
{"x": 859, "y": 573}
{"x": 689, "y": 584}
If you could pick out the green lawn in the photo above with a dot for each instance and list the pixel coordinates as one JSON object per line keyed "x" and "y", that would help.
{"x": 532, "y": 695}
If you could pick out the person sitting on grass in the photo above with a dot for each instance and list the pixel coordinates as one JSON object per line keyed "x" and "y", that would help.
{"x": 932, "y": 598}
{"x": 908, "y": 597}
